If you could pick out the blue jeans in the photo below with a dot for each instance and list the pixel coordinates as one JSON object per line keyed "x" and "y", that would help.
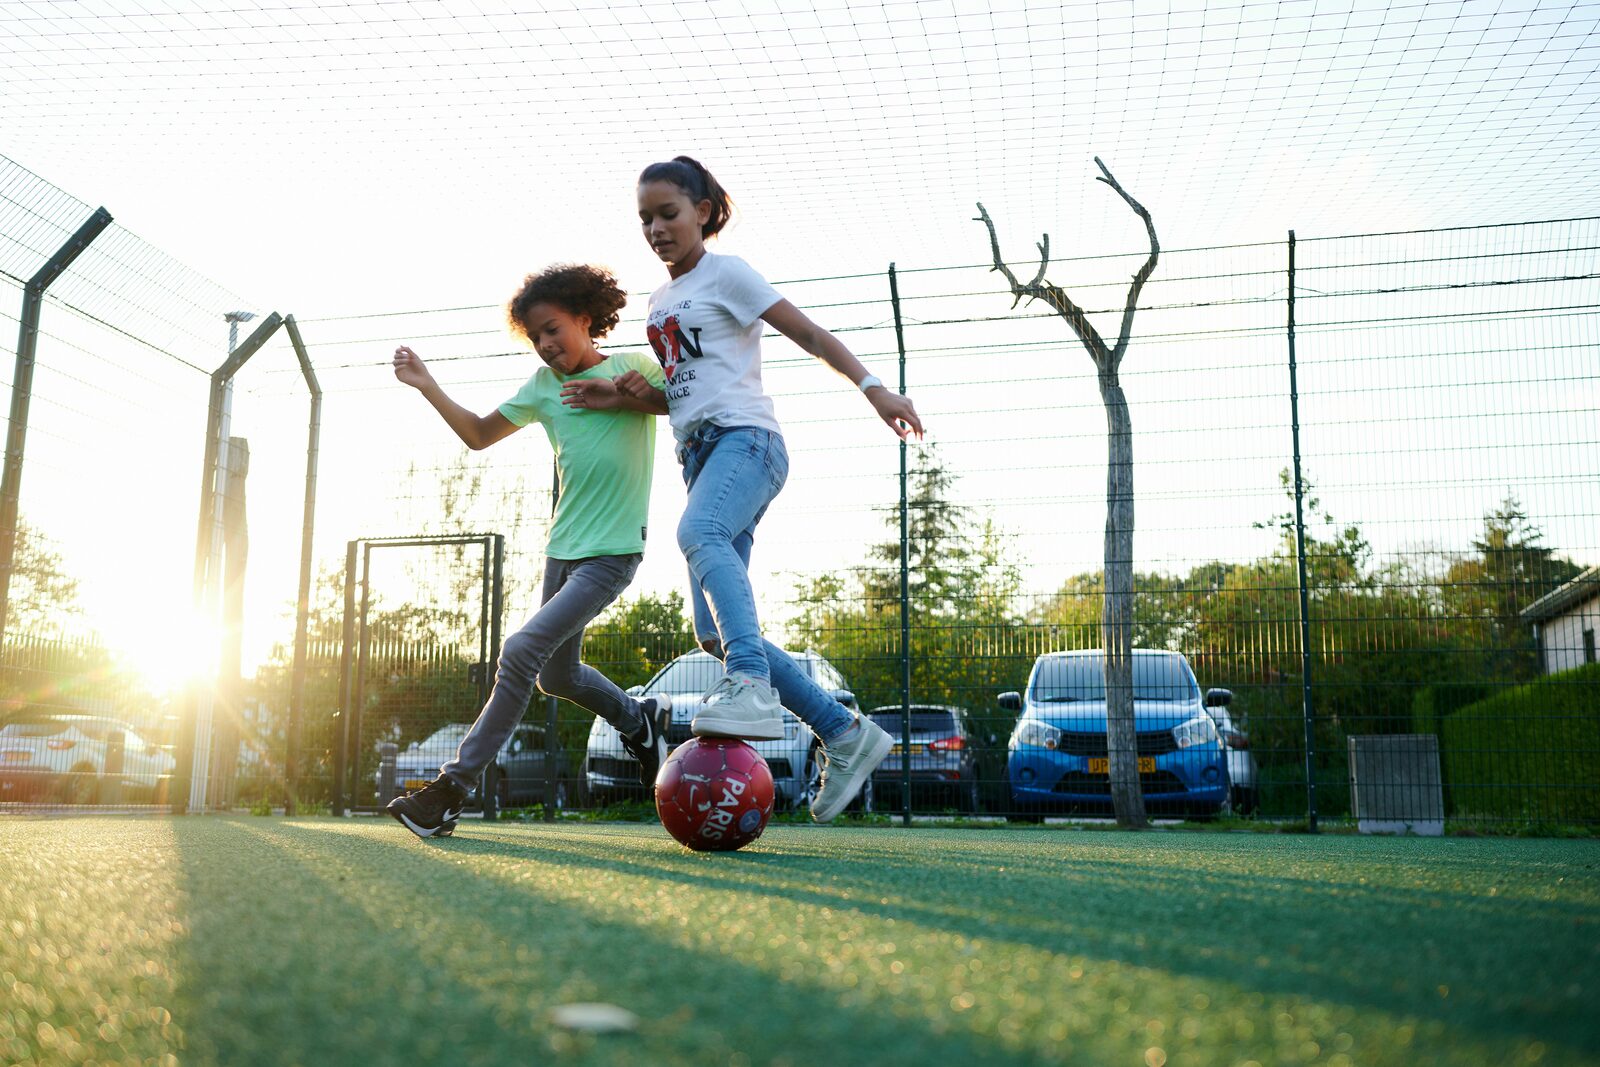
{"x": 548, "y": 652}
{"x": 733, "y": 474}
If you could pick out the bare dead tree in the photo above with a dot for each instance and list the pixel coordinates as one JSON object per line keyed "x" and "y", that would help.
{"x": 1117, "y": 614}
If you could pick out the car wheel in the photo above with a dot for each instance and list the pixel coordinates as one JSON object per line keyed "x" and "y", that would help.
{"x": 1017, "y": 812}
{"x": 864, "y": 801}
{"x": 967, "y": 801}
{"x": 81, "y": 785}
{"x": 1244, "y": 801}
{"x": 810, "y": 781}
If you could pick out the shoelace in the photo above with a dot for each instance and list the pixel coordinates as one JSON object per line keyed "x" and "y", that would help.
{"x": 726, "y": 686}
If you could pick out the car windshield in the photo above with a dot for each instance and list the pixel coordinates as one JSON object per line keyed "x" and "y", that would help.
{"x": 696, "y": 674}
{"x": 1068, "y": 679}
{"x": 446, "y": 736}
{"x": 921, "y": 721}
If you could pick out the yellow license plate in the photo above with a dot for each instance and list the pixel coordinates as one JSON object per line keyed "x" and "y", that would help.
{"x": 414, "y": 783}
{"x": 1102, "y": 765}
{"x": 895, "y": 751}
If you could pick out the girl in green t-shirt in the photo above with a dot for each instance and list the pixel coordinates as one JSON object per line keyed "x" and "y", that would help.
{"x": 596, "y": 540}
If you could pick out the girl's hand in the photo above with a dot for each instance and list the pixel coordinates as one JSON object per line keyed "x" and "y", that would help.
{"x": 897, "y": 411}
{"x": 409, "y": 368}
{"x": 634, "y": 384}
{"x": 596, "y": 394}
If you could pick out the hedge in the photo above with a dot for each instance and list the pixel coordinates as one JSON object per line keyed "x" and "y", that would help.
{"x": 1531, "y": 753}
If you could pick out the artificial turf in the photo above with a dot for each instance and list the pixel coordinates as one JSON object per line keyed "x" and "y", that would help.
{"x": 241, "y": 941}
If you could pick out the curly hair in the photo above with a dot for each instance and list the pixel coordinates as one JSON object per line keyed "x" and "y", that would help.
{"x": 577, "y": 289}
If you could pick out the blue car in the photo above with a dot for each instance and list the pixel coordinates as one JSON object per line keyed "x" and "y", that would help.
{"x": 1056, "y": 759}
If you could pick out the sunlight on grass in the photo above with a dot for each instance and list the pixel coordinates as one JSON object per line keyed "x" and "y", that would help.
{"x": 90, "y": 913}
{"x": 237, "y": 941}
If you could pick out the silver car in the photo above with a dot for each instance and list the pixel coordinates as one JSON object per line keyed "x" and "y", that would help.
{"x": 612, "y": 773}
{"x": 1236, "y": 745}
{"x": 81, "y": 759}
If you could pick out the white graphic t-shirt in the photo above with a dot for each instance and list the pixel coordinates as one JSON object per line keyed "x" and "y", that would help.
{"x": 705, "y": 328}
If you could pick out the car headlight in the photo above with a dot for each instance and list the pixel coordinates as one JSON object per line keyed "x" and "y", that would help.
{"x": 1199, "y": 730}
{"x": 1031, "y": 733}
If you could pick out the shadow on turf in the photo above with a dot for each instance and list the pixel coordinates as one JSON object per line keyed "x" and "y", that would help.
{"x": 1270, "y": 933}
{"x": 381, "y": 954}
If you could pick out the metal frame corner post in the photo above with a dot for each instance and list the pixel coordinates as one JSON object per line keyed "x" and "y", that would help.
{"x": 22, "y": 394}
{"x": 1307, "y": 708}
{"x": 297, "y": 688}
{"x": 905, "y": 572}
{"x": 194, "y": 742}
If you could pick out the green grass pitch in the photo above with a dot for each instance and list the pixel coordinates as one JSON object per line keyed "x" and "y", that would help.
{"x": 242, "y": 941}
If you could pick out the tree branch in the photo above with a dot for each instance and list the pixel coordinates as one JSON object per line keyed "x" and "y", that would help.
{"x": 1144, "y": 272}
{"x": 1039, "y": 289}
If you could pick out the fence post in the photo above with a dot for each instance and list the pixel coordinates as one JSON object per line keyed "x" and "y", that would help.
{"x": 551, "y": 721}
{"x": 1306, "y": 708}
{"x": 22, "y": 394}
{"x": 346, "y": 666}
{"x": 905, "y": 576}
{"x": 488, "y": 791}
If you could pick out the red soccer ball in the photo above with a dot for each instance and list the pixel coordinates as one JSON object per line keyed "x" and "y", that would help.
{"x": 714, "y": 794}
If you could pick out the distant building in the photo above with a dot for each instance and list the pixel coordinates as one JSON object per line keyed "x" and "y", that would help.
{"x": 1564, "y": 621}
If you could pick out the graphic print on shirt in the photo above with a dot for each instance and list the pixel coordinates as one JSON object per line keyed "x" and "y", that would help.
{"x": 672, "y": 343}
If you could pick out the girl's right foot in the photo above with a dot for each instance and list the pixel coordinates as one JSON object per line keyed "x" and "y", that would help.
{"x": 740, "y": 706}
{"x": 431, "y": 811}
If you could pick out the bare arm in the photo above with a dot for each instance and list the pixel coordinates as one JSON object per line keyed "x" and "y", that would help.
{"x": 476, "y": 431}
{"x": 615, "y": 394}
{"x": 895, "y": 410}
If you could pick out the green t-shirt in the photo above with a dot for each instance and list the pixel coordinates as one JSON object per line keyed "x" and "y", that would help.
{"x": 603, "y": 458}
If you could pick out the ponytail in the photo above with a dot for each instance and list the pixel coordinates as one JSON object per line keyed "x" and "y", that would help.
{"x": 693, "y": 178}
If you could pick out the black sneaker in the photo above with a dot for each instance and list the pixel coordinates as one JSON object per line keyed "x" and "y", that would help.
{"x": 649, "y": 746}
{"x": 431, "y": 811}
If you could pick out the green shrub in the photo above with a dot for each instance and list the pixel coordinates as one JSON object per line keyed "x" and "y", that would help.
{"x": 1528, "y": 753}
{"x": 1434, "y": 703}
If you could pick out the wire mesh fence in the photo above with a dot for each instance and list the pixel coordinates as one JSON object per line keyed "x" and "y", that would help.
{"x": 1441, "y": 537}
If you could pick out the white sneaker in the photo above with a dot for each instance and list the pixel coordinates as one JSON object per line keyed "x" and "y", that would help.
{"x": 850, "y": 761}
{"x": 739, "y": 706}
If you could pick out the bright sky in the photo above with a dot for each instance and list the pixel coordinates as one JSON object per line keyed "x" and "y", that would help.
{"x": 342, "y": 160}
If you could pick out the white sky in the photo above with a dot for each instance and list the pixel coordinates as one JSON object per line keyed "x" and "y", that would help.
{"x": 339, "y": 160}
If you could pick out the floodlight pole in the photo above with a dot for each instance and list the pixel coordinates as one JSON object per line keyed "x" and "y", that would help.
{"x": 22, "y": 394}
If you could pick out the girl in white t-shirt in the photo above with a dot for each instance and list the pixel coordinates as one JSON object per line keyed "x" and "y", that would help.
{"x": 705, "y": 326}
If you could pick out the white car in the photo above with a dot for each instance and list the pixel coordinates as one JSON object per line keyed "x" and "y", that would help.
{"x": 612, "y": 773}
{"x": 81, "y": 759}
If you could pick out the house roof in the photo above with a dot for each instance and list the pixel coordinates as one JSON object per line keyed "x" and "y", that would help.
{"x": 1559, "y": 599}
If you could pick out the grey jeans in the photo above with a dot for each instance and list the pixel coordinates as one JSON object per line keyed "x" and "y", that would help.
{"x": 546, "y": 652}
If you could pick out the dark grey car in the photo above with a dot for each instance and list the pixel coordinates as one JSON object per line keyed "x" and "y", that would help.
{"x": 944, "y": 758}
{"x": 516, "y": 776}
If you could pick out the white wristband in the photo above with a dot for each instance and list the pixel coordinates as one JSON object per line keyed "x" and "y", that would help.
{"x": 869, "y": 381}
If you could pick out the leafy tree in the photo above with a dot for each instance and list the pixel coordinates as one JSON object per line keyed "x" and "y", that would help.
{"x": 43, "y": 597}
{"x": 962, "y": 592}
{"x": 1484, "y": 594}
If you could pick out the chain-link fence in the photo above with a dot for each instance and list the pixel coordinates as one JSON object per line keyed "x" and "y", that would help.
{"x": 1366, "y": 481}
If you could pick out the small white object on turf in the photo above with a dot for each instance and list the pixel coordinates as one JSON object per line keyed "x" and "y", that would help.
{"x": 594, "y": 1018}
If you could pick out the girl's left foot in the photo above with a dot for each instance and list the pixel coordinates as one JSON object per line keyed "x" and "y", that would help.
{"x": 851, "y": 759}
{"x": 740, "y": 706}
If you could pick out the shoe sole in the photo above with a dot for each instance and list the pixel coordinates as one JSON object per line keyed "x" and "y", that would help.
{"x": 444, "y": 829}
{"x": 743, "y": 729}
{"x": 881, "y": 745}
